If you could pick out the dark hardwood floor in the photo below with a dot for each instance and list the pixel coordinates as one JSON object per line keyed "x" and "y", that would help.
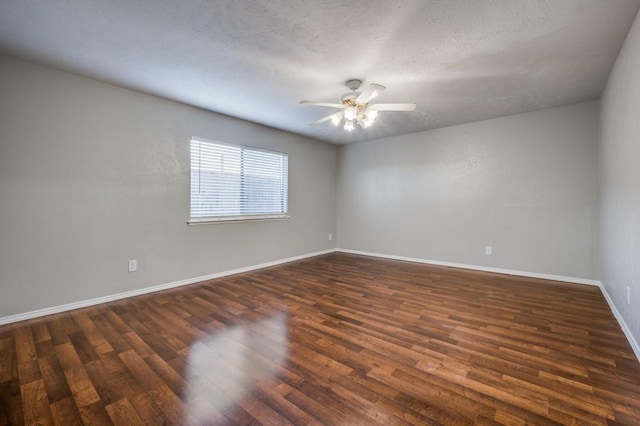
{"x": 334, "y": 340}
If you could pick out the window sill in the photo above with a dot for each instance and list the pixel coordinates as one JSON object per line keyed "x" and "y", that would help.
{"x": 236, "y": 219}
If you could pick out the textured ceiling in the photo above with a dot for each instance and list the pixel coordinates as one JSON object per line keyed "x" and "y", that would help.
{"x": 460, "y": 61}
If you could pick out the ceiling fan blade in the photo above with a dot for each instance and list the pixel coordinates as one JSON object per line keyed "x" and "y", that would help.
{"x": 327, "y": 118}
{"x": 327, "y": 104}
{"x": 369, "y": 93}
{"x": 361, "y": 122}
{"x": 393, "y": 107}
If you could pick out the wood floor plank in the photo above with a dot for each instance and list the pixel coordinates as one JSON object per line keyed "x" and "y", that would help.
{"x": 65, "y": 412}
{"x": 11, "y": 412}
{"x": 54, "y": 380}
{"x": 336, "y": 339}
{"x": 81, "y": 386}
{"x": 123, "y": 413}
{"x": 95, "y": 414}
{"x": 35, "y": 404}
{"x": 8, "y": 362}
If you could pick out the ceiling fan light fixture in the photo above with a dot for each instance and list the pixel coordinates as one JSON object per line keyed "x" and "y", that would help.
{"x": 369, "y": 117}
{"x": 336, "y": 119}
{"x": 348, "y": 125}
{"x": 350, "y": 113}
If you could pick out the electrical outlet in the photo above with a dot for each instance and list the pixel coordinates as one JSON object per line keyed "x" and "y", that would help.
{"x": 330, "y": 237}
{"x": 133, "y": 265}
{"x": 628, "y": 295}
{"x": 488, "y": 250}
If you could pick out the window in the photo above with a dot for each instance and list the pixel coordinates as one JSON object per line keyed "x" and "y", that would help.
{"x": 232, "y": 182}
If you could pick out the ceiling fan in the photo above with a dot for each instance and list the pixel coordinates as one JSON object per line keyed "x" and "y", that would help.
{"x": 355, "y": 107}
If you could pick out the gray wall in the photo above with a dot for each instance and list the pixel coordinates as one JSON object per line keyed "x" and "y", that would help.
{"x": 525, "y": 184}
{"x": 92, "y": 175}
{"x": 620, "y": 181}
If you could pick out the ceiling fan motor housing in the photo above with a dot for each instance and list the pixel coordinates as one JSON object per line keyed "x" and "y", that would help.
{"x": 353, "y": 84}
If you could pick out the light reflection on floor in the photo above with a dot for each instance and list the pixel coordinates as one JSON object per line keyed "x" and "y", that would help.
{"x": 224, "y": 368}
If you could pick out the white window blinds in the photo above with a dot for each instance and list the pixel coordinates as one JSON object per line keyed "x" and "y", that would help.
{"x": 232, "y": 182}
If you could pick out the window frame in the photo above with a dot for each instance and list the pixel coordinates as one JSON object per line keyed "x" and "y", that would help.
{"x": 241, "y": 217}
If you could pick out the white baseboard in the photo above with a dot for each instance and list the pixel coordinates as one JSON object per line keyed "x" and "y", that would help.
{"x": 623, "y": 325}
{"x": 152, "y": 289}
{"x": 477, "y": 268}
